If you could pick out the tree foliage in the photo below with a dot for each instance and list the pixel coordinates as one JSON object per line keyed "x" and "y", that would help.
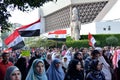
{"x": 112, "y": 40}
{"x": 23, "y": 5}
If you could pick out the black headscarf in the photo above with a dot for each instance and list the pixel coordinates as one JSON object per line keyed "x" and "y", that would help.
{"x": 76, "y": 54}
{"x": 72, "y": 67}
{"x": 21, "y": 64}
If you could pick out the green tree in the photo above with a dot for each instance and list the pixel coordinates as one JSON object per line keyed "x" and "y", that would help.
{"x": 112, "y": 40}
{"x": 23, "y": 5}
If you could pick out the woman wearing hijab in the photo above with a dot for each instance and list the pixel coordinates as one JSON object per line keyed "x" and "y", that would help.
{"x": 49, "y": 58}
{"x": 65, "y": 63}
{"x": 37, "y": 71}
{"x": 55, "y": 71}
{"x": 96, "y": 71}
{"x": 22, "y": 68}
{"x": 74, "y": 71}
{"x": 79, "y": 56}
{"x": 12, "y": 73}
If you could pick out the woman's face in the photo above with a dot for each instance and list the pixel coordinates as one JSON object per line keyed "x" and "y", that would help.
{"x": 79, "y": 56}
{"x": 58, "y": 65}
{"x": 78, "y": 66}
{"x": 40, "y": 67}
{"x": 16, "y": 75}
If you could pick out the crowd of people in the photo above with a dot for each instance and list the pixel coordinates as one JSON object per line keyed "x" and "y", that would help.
{"x": 61, "y": 64}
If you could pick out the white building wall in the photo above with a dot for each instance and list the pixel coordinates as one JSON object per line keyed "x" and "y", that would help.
{"x": 88, "y": 28}
{"x": 103, "y": 27}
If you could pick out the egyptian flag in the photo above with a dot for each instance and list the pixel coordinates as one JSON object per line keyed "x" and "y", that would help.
{"x": 30, "y": 30}
{"x": 57, "y": 35}
{"x": 92, "y": 40}
{"x": 14, "y": 41}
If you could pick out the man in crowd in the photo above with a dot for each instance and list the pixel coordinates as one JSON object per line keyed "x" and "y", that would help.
{"x": 4, "y": 64}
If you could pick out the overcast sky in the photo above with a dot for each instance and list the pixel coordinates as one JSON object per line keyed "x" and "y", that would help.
{"x": 24, "y": 18}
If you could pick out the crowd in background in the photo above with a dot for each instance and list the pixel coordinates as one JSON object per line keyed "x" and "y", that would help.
{"x": 61, "y": 64}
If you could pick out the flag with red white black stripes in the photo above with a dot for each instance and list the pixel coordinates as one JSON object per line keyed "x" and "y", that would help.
{"x": 14, "y": 41}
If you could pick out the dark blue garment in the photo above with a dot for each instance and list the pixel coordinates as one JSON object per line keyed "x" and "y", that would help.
{"x": 85, "y": 56}
{"x": 54, "y": 73}
{"x": 95, "y": 75}
{"x": 87, "y": 64}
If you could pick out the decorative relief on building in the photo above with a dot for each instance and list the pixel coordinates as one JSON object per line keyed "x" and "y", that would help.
{"x": 89, "y": 11}
{"x": 60, "y": 19}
